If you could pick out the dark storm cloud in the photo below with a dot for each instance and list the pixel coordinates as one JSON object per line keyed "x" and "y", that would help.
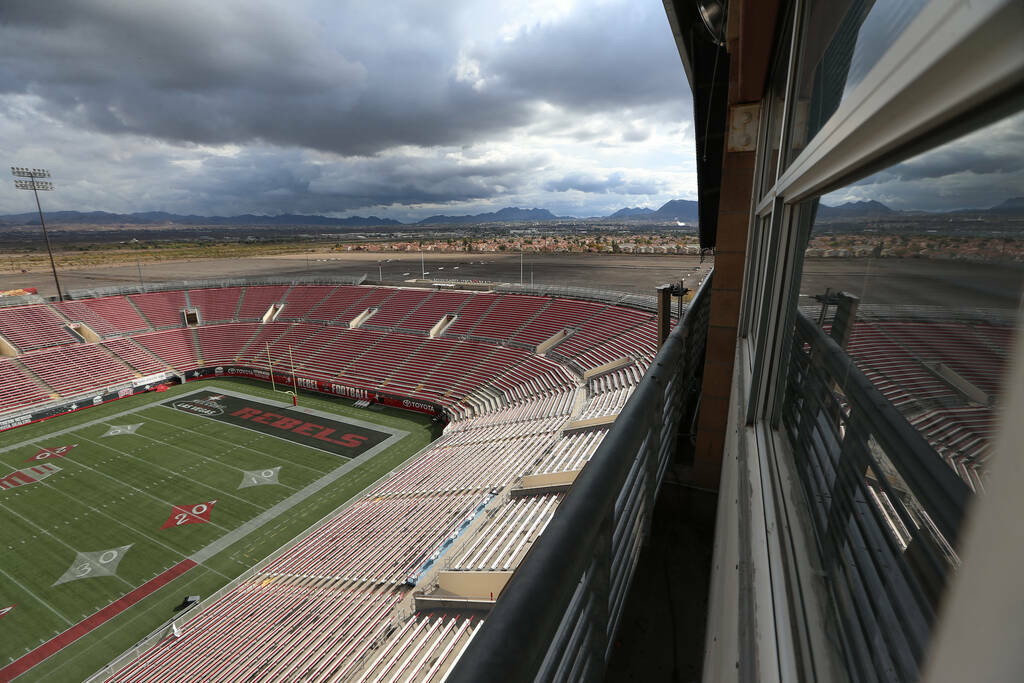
{"x": 317, "y": 106}
{"x": 272, "y": 181}
{"x": 216, "y": 73}
{"x": 616, "y": 182}
{"x": 598, "y": 60}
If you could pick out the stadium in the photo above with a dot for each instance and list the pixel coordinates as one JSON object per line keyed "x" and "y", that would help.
{"x": 805, "y": 469}
{"x": 525, "y": 387}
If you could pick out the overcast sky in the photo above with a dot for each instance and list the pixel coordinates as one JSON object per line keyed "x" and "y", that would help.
{"x": 400, "y": 108}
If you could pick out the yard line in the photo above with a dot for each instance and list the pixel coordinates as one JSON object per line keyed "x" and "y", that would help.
{"x": 217, "y": 438}
{"x": 68, "y": 430}
{"x": 112, "y": 632}
{"x": 165, "y": 469}
{"x": 135, "y": 488}
{"x": 275, "y": 511}
{"x": 38, "y": 599}
{"x": 200, "y": 455}
{"x": 54, "y": 537}
{"x": 177, "y": 553}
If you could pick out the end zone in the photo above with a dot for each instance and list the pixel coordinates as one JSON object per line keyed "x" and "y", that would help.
{"x": 310, "y": 428}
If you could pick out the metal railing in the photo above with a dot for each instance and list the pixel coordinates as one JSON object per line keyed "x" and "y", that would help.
{"x": 556, "y": 618}
{"x": 256, "y": 281}
{"x": 645, "y": 302}
{"x": 884, "y": 507}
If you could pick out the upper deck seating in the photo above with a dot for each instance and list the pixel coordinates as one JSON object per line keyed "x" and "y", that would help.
{"x": 562, "y": 313}
{"x": 216, "y": 305}
{"x": 162, "y": 309}
{"x": 439, "y": 304}
{"x": 471, "y": 313}
{"x": 398, "y": 306}
{"x": 256, "y": 301}
{"x": 510, "y": 313}
{"x": 301, "y": 300}
{"x": 337, "y": 306}
{"x": 112, "y": 315}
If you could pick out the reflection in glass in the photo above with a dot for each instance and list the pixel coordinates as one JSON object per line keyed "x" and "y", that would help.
{"x": 776, "y": 109}
{"x": 928, "y": 259}
{"x": 842, "y": 40}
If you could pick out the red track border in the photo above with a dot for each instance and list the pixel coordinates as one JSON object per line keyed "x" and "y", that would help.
{"x": 57, "y": 643}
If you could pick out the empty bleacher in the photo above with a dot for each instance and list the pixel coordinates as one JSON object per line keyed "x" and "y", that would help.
{"x": 333, "y": 606}
{"x": 174, "y": 347}
{"x": 216, "y": 305}
{"x": 113, "y": 315}
{"x": 19, "y": 389}
{"x": 161, "y": 309}
{"x": 256, "y": 301}
{"x": 34, "y": 327}
{"x": 78, "y": 368}
{"x": 440, "y": 304}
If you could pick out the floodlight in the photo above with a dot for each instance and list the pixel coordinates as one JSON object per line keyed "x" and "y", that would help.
{"x": 36, "y": 185}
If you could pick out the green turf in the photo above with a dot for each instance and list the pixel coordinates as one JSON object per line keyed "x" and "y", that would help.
{"x": 119, "y": 490}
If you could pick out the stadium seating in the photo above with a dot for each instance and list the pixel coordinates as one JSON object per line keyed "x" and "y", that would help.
{"x": 34, "y": 327}
{"x": 176, "y": 348}
{"x": 134, "y": 355}
{"x": 507, "y": 538}
{"x": 438, "y": 305}
{"x": 331, "y": 607}
{"x": 509, "y": 315}
{"x": 18, "y": 388}
{"x": 256, "y": 301}
{"x": 394, "y": 309}
{"x": 221, "y": 344}
{"x": 470, "y": 314}
{"x": 108, "y": 316}
{"x": 216, "y": 305}
{"x": 161, "y": 309}
{"x": 76, "y": 369}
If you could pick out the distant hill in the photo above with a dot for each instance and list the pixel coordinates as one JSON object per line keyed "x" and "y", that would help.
{"x": 677, "y": 209}
{"x": 632, "y": 212}
{"x": 162, "y": 218}
{"x": 854, "y": 210}
{"x": 508, "y": 214}
{"x": 1014, "y": 205}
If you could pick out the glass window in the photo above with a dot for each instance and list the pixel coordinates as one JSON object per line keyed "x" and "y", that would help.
{"x": 841, "y": 41}
{"x": 915, "y": 274}
{"x": 922, "y": 266}
{"x": 776, "y": 111}
{"x": 755, "y": 290}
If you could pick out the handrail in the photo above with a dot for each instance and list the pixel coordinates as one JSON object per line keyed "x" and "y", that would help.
{"x": 943, "y": 494}
{"x": 884, "y": 507}
{"x": 520, "y": 635}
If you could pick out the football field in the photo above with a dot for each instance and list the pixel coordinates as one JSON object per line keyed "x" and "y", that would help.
{"x": 110, "y": 516}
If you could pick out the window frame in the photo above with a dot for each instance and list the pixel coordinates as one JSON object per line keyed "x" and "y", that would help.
{"x": 937, "y": 81}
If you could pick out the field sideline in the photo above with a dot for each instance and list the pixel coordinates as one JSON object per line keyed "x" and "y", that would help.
{"x": 132, "y": 490}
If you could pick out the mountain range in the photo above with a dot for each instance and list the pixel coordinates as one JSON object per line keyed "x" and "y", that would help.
{"x": 681, "y": 210}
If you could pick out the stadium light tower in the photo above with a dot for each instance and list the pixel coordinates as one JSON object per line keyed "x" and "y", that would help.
{"x": 34, "y": 183}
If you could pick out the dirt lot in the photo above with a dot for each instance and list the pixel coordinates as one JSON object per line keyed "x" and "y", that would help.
{"x": 885, "y": 281}
{"x": 640, "y": 274}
